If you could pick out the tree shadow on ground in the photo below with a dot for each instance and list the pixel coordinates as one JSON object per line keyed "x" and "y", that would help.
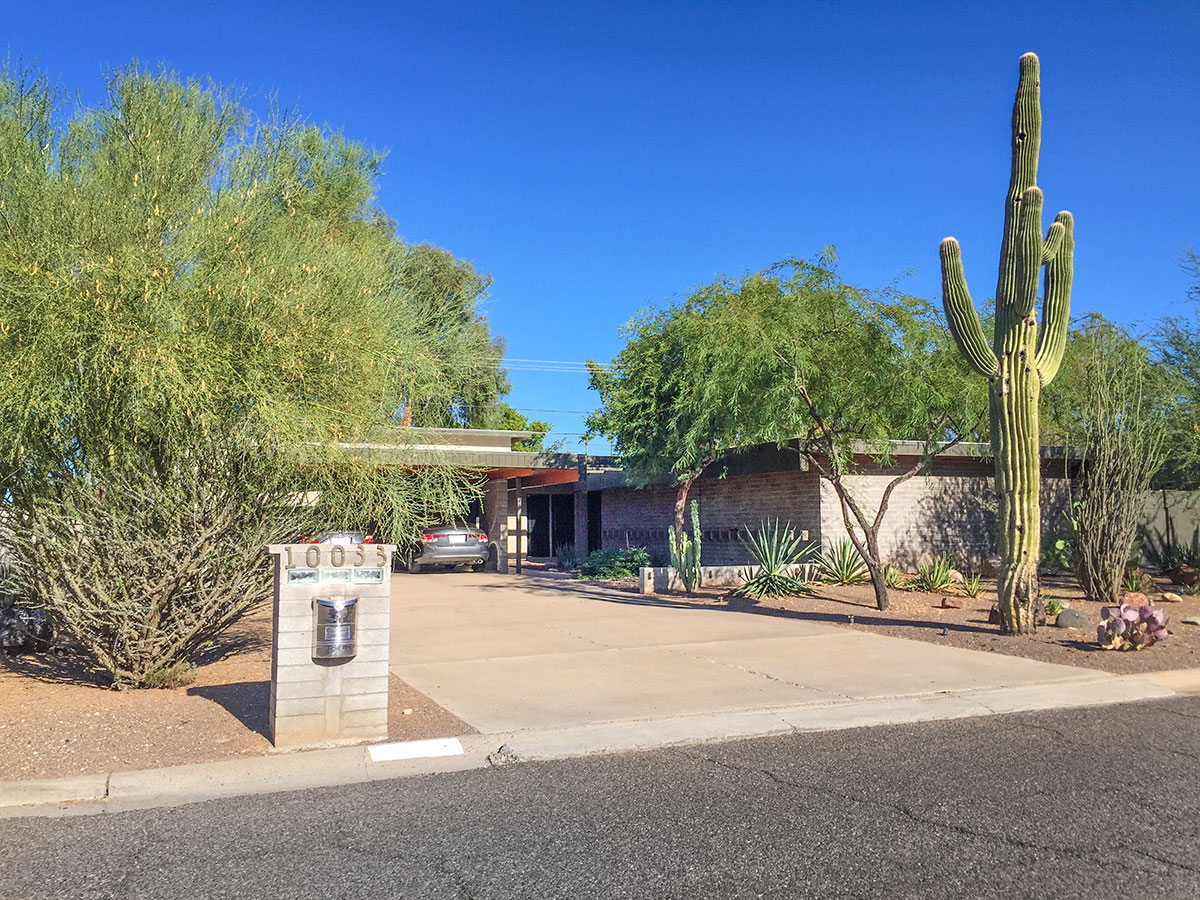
{"x": 71, "y": 664}
{"x": 68, "y": 666}
{"x": 624, "y": 595}
{"x": 247, "y": 701}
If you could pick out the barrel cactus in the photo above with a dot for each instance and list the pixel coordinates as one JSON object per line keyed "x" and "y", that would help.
{"x": 1022, "y": 358}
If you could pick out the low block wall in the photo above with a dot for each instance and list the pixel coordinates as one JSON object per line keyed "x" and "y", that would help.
{"x": 652, "y": 579}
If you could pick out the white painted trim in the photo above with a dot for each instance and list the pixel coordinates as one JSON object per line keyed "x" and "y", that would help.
{"x": 415, "y": 749}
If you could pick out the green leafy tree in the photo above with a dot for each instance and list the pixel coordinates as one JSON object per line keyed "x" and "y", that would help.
{"x": 1176, "y": 358}
{"x": 654, "y": 405}
{"x": 837, "y": 373}
{"x": 210, "y": 310}
{"x": 505, "y": 417}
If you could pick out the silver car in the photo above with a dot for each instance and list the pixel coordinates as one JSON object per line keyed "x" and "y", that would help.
{"x": 450, "y": 545}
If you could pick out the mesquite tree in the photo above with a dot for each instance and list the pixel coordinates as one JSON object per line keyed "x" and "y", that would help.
{"x": 1022, "y": 358}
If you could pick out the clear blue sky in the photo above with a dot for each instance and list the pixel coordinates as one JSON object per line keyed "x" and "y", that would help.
{"x": 598, "y": 157}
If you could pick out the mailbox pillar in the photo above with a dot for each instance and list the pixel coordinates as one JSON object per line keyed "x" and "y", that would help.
{"x": 330, "y": 638}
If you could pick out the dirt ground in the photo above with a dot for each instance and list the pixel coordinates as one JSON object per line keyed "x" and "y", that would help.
{"x": 921, "y": 617}
{"x": 55, "y": 720}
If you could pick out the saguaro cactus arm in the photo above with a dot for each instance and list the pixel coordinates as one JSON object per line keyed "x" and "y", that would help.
{"x": 1056, "y": 306}
{"x": 961, "y": 314}
{"x": 1029, "y": 253}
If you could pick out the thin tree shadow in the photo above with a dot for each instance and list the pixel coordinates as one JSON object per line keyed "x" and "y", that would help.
{"x": 247, "y": 701}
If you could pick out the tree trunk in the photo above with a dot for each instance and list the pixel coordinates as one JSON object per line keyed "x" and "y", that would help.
{"x": 879, "y": 583}
{"x": 681, "y": 498}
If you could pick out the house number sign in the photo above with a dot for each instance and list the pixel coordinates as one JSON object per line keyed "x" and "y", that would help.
{"x": 357, "y": 564}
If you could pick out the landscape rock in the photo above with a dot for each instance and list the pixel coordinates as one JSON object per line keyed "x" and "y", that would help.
{"x": 1072, "y": 618}
{"x": 1191, "y": 620}
{"x": 952, "y": 603}
{"x": 994, "y": 615}
{"x": 1185, "y": 575}
{"x": 1135, "y": 598}
{"x": 990, "y": 567}
{"x": 1168, "y": 597}
{"x": 956, "y": 576}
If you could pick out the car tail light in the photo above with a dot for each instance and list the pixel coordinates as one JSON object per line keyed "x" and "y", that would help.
{"x": 369, "y": 539}
{"x": 428, "y": 538}
{"x": 482, "y": 536}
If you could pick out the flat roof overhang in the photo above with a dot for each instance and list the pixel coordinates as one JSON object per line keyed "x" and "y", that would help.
{"x": 534, "y": 469}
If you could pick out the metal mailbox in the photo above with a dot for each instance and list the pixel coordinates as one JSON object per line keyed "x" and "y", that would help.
{"x": 335, "y": 627}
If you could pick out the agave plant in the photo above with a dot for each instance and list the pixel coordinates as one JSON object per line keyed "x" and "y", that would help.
{"x": 776, "y": 549}
{"x": 894, "y": 578}
{"x": 971, "y": 585}
{"x": 935, "y": 577}
{"x": 1127, "y": 627}
{"x": 1054, "y": 605}
{"x": 842, "y": 564}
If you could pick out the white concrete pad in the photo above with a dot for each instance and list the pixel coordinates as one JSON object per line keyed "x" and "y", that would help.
{"x": 862, "y": 665}
{"x": 565, "y": 689}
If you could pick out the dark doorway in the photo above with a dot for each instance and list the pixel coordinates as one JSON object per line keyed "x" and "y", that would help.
{"x": 562, "y": 518}
{"x": 594, "y": 526}
{"x": 537, "y": 516}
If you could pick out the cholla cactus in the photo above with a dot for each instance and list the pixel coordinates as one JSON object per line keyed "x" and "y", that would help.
{"x": 1128, "y": 627}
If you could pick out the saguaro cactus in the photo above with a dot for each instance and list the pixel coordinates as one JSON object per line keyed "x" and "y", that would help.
{"x": 1022, "y": 358}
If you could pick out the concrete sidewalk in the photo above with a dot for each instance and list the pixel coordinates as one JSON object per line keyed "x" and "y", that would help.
{"x": 548, "y": 668}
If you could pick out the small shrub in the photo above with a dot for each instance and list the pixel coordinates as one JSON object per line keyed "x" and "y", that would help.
{"x": 171, "y": 676}
{"x": 614, "y": 562}
{"x": 971, "y": 585}
{"x": 842, "y": 564}
{"x": 1132, "y": 581}
{"x": 894, "y": 578}
{"x": 1167, "y": 554}
{"x": 564, "y": 557}
{"x": 1054, "y": 605}
{"x": 935, "y": 577}
{"x": 1127, "y": 627}
{"x": 775, "y": 550}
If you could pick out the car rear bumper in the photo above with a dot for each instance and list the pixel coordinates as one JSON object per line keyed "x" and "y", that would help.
{"x": 453, "y": 555}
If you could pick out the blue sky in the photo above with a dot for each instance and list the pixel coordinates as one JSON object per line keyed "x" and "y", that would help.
{"x": 598, "y": 157}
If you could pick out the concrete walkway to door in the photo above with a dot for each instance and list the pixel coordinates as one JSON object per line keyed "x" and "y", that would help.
{"x": 605, "y": 669}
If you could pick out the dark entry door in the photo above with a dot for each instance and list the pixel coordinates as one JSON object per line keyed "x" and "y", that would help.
{"x": 563, "y": 524}
{"x": 537, "y": 514}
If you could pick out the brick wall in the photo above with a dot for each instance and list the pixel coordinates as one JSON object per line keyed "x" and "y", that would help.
{"x": 952, "y": 510}
{"x": 633, "y": 517}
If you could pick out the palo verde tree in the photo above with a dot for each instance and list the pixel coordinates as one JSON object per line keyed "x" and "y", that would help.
{"x": 838, "y": 373}
{"x": 1021, "y": 359}
{"x": 202, "y": 316}
{"x": 654, "y": 404}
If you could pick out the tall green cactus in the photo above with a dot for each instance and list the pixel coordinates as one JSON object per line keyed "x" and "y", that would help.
{"x": 1022, "y": 358}
{"x": 685, "y": 552}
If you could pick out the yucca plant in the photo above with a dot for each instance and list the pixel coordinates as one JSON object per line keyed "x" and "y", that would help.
{"x": 775, "y": 549}
{"x": 935, "y": 577}
{"x": 842, "y": 564}
{"x": 971, "y": 585}
{"x": 894, "y": 578}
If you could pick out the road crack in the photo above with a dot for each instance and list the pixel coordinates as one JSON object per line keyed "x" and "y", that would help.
{"x": 1079, "y": 853}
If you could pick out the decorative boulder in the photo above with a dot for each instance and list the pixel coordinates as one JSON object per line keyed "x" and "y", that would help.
{"x": 1185, "y": 575}
{"x": 1168, "y": 597}
{"x": 956, "y": 576}
{"x": 952, "y": 603}
{"x": 1072, "y": 618}
{"x": 1135, "y": 599}
{"x": 990, "y": 567}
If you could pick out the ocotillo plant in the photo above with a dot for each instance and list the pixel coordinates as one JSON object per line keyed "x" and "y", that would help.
{"x": 1022, "y": 358}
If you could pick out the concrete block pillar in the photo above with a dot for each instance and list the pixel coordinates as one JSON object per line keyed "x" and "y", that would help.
{"x": 329, "y": 678}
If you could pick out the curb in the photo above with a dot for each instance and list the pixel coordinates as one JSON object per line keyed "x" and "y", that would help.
{"x": 307, "y": 769}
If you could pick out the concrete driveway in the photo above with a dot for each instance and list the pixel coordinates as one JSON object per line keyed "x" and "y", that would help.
{"x": 511, "y": 653}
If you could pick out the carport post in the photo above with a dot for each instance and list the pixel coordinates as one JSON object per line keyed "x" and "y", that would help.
{"x": 520, "y": 510}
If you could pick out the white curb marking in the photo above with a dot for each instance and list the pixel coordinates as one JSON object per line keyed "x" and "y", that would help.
{"x": 415, "y": 749}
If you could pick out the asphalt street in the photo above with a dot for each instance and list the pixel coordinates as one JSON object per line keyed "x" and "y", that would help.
{"x": 1087, "y": 803}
